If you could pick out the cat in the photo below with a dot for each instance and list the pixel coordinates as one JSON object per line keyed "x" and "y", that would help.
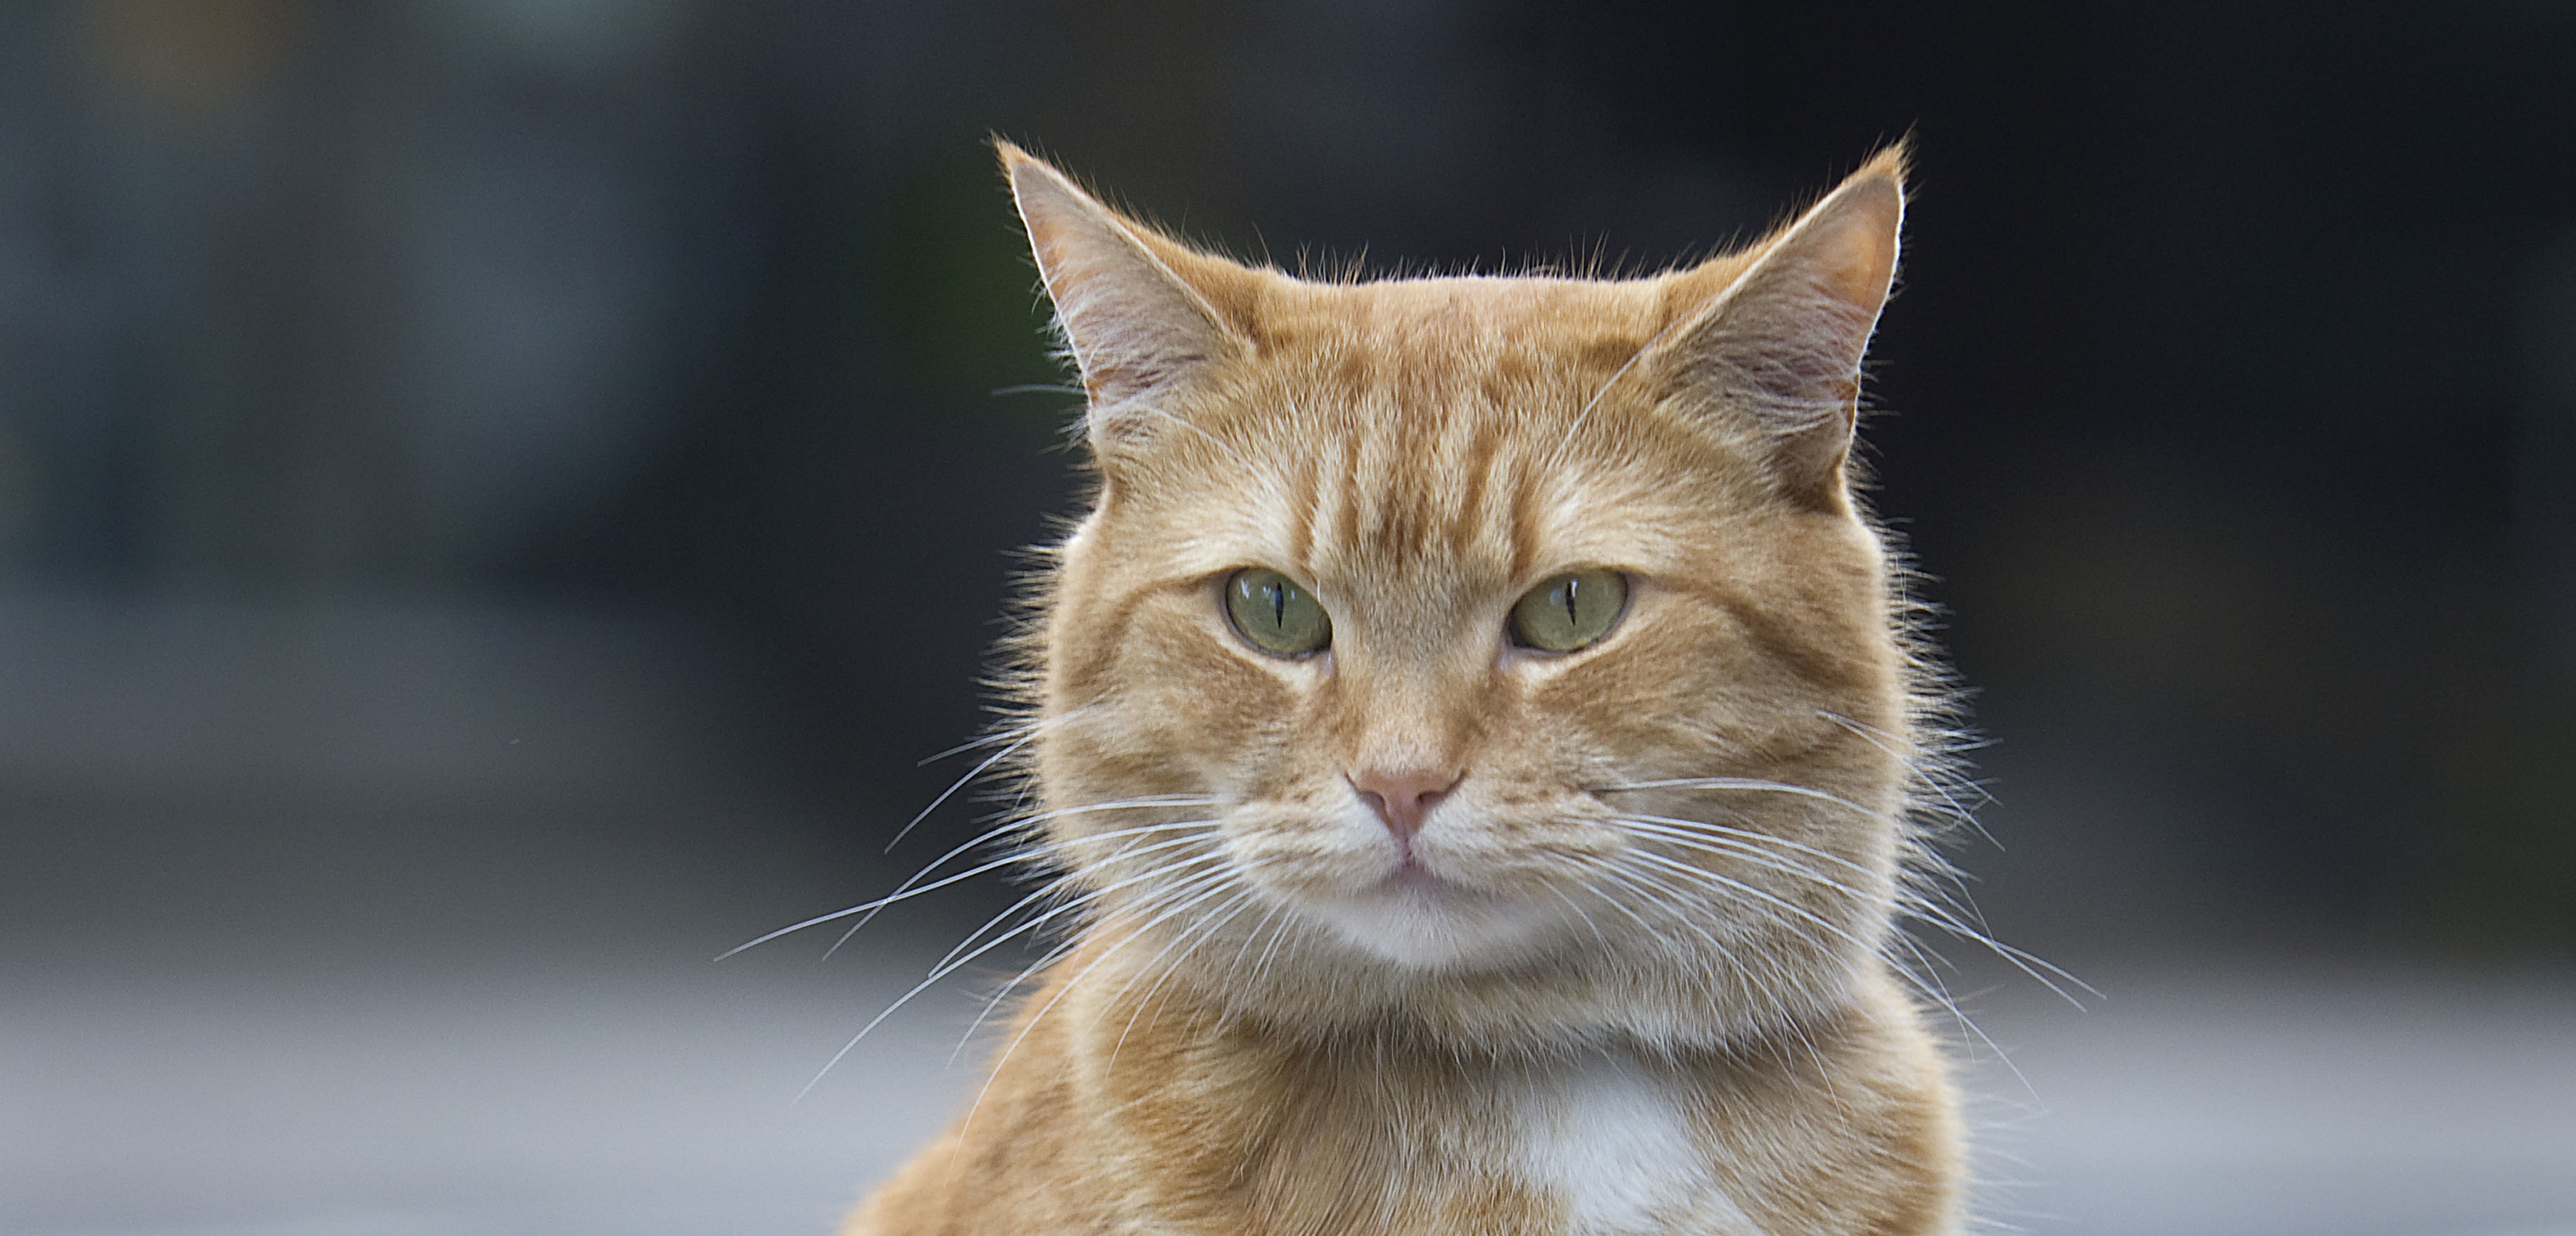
{"x": 1478, "y": 732}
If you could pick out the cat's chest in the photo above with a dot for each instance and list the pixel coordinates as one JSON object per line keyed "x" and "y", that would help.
{"x": 1614, "y": 1142}
{"x": 1601, "y": 1144}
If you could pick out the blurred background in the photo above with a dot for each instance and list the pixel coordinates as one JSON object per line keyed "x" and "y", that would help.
{"x": 498, "y": 498}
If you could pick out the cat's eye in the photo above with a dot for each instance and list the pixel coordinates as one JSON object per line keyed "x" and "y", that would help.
{"x": 1570, "y": 611}
{"x": 1275, "y": 614}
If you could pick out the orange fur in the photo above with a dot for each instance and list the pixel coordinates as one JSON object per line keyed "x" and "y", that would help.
{"x": 1284, "y": 1015}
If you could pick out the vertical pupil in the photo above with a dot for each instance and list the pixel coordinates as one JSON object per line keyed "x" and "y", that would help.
{"x": 1278, "y": 604}
{"x": 1571, "y": 619}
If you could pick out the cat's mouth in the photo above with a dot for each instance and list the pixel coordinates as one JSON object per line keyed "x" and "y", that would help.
{"x": 1421, "y": 894}
{"x": 1411, "y": 879}
{"x": 1419, "y": 918}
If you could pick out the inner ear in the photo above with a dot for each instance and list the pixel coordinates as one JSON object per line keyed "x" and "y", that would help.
{"x": 1141, "y": 312}
{"x": 1775, "y": 354}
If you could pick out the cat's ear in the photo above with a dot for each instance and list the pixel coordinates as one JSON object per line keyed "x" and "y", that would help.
{"x": 1777, "y": 339}
{"x": 1141, "y": 312}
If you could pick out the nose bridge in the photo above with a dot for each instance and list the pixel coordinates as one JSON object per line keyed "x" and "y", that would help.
{"x": 1409, "y": 710}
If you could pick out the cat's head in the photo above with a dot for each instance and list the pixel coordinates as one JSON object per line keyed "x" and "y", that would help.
{"x": 1506, "y": 655}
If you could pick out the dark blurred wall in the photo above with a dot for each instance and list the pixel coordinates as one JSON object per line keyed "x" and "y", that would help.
{"x": 2228, "y": 400}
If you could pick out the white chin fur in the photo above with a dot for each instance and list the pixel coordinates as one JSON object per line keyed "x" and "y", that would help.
{"x": 1445, "y": 929}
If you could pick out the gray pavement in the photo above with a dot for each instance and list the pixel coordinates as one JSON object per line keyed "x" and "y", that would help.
{"x": 661, "y": 1099}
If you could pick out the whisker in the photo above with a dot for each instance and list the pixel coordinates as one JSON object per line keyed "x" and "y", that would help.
{"x": 1702, "y": 873}
{"x": 935, "y": 864}
{"x": 1913, "y": 903}
{"x": 1711, "y": 830}
{"x": 1731, "y": 848}
{"x": 1074, "y": 942}
{"x": 1235, "y": 967}
{"x": 909, "y": 890}
{"x": 2021, "y": 959}
{"x": 1008, "y": 826}
{"x": 1261, "y": 968}
{"x": 1869, "y": 734}
{"x": 1556, "y": 457}
{"x": 1928, "y": 980}
{"x": 1661, "y": 896}
{"x": 1003, "y": 992}
{"x": 1735, "y": 783}
{"x": 925, "y": 984}
{"x": 995, "y": 737}
{"x": 1612, "y": 871}
{"x": 953, "y": 962}
{"x": 869, "y": 907}
{"x": 1579, "y": 912}
{"x": 1122, "y": 804}
{"x": 977, "y": 771}
{"x": 1057, "y": 890}
{"x": 1928, "y": 986}
{"x": 1195, "y": 936}
{"x": 1764, "y": 973}
{"x": 1218, "y": 877}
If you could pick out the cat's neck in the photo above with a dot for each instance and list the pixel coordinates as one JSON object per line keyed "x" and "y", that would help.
{"x": 1356, "y": 1008}
{"x": 1607, "y": 1133}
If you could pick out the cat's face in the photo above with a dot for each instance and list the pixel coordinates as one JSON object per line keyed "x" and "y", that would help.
{"x": 1406, "y": 605}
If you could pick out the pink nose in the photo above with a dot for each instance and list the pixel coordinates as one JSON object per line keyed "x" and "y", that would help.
{"x": 1402, "y": 796}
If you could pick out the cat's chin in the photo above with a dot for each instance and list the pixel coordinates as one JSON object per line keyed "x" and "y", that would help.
{"x": 1423, "y": 922}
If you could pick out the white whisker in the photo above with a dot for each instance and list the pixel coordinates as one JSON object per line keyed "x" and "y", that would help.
{"x": 1926, "y": 775}
{"x": 997, "y": 757}
{"x": 1016, "y": 825}
{"x": 1764, "y": 895}
{"x": 1217, "y": 877}
{"x": 1711, "y": 830}
{"x": 1741, "y": 843}
{"x": 1056, "y": 889}
{"x": 1660, "y": 896}
{"x": 925, "y": 984}
{"x": 1580, "y": 913}
{"x": 870, "y": 907}
{"x": 1197, "y": 935}
{"x": 1556, "y": 457}
{"x": 1735, "y": 783}
{"x": 995, "y": 737}
{"x": 1072, "y": 941}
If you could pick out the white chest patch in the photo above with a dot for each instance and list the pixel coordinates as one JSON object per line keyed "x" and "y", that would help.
{"x": 1614, "y": 1141}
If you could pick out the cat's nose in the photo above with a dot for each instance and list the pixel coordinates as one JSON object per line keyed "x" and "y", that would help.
{"x": 1402, "y": 796}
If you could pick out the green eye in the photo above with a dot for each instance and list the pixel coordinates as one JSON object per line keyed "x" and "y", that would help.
{"x": 1571, "y": 611}
{"x": 1275, "y": 614}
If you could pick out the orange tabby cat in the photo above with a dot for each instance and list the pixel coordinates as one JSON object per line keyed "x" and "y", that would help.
{"x": 1477, "y": 728}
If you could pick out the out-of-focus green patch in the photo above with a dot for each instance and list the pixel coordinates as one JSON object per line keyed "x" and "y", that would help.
{"x": 963, "y": 308}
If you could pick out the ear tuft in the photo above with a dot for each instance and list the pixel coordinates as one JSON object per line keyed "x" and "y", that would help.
{"x": 1781, "y": 345}
{"x": 1135, "y": 323}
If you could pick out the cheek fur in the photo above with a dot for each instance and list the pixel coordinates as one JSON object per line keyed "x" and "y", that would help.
{"x": 1173, "y": 699}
